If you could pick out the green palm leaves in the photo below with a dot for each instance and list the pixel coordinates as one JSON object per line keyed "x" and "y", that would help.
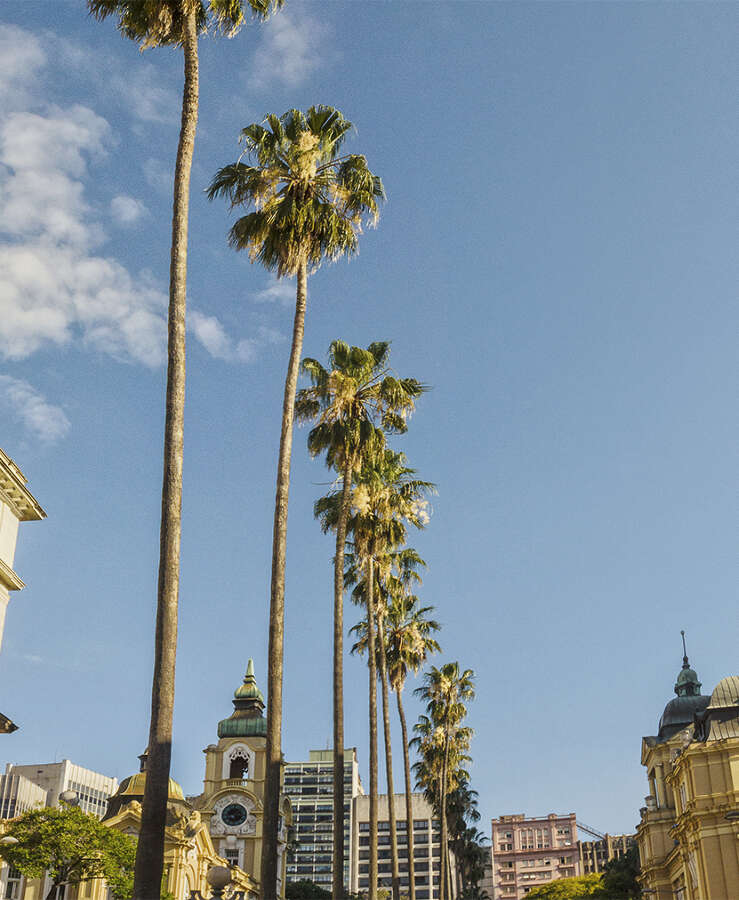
{"x": 443, "y": 742}
{"x": 309, "y": 203}
{"x": 157, "y": 23}
{"x": 354, "y": 401}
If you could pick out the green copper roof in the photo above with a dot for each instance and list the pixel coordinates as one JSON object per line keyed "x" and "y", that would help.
{"x": 687, "y": 684}
{"x": 247, "y": 719}
{"x": 249, "y": 690}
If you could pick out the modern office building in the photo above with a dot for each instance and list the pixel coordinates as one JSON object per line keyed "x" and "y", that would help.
{"x": 309, "y": 785}
{"x": 426, "y": 846}
{"x": 92, "y": 788}
{"x": 595, "y": 854}
{"x": 18, "y": 795}
{"x": 529, "y": 852}
{"x": 689, "y": 831}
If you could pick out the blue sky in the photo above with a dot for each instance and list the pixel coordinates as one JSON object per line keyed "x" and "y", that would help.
{"x": 557, "y": 258}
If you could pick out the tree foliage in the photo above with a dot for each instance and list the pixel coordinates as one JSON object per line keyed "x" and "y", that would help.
{"x": 72, "y": 846}
{"x": 619, "y": 876}
{"x": 569, "y": 888}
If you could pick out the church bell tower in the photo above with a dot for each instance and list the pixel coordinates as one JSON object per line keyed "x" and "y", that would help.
{"x": 233, "y": 787}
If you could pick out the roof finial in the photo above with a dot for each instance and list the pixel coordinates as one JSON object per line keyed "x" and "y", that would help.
{"x": 250, "y": 669}
{"x": 686, "y": 665}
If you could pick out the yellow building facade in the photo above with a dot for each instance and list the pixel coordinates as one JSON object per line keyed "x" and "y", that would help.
{"x": 689, "y": 831}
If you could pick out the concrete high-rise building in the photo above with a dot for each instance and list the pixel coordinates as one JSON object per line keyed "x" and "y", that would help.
{"x": 529, "y": 852}
{"x": 689, "y": 831}
{"x": 309, "y": 785}
{"x": 18, "y": 795}
{"x": 426, "y": 846}
{"x": 92, "y": 788}
{"x": 595, "y": 854}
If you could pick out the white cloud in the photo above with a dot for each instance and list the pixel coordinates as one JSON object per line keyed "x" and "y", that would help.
{"x": 42, "y": 419}
{"x": 159, "y": 175}
{"x": 56, "y": 285}
{"x": 211, "y": 334}
{"x": 141, "y": 90}
{"x": 291, "y": 48}
{"x": 280, "y": 290}
{"x": 127, "y": 210}
{"x": 21, "y": 57}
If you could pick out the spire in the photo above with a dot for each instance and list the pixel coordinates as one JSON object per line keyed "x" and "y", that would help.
{"x": 687, "y": 681}
{"x": 248, "y": 705}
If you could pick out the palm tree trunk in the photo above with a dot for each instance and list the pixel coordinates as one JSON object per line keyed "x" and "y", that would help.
{"x": 150, "y": 847}
{"x": 338, "y": 860}
{"x": 388, "y": 760}
{"x": 443, "y": 856}
{"x": 408, "y": 798}
{"x": 372, "y": 663}
{"x": 277, "y": 602}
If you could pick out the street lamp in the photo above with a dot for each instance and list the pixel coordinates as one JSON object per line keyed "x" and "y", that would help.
{"x": 9, "y": 840}
{"x": 219, "y": 878}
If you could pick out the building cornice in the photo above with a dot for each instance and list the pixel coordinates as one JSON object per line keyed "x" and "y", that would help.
{"x": 14, "y": 491}
{"x": 9, "y": 578}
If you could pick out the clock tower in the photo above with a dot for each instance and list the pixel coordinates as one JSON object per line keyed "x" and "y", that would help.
{"x": 233, "y": 788}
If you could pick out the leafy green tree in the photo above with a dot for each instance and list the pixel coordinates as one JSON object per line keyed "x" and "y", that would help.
{"x": 354, "y": 403}
{"x": 619, "y": 876}
{"x": 308, "y": 203}
{"x": 305, "y": 890}
{"x": 71, "y": 846}
{"x": 569, "y": 888}
{"x": 171, "y": 23}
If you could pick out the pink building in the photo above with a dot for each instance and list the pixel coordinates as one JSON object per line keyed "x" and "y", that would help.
{"x": 527, "y": 853}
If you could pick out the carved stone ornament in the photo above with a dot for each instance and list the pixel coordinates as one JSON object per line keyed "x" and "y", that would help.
{"x": 230, "y": 803}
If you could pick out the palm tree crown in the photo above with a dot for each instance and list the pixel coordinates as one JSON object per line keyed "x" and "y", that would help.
{"x": 158, "y": 23}
{"x": 309, "y": 202}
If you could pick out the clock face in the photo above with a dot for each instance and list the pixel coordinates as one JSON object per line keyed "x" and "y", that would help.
{"x": 234, "y": 814}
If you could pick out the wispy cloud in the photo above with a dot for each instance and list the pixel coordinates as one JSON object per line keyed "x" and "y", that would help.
{"x": 279, "y": 290}
{"x": 127, "y": 210}
{"x": 212, "y": 335}
{"x": 147, "y": 99}
{"x": 291, "y": 49}
{"x": 21, "y": 58}
{"x": 26, "y": 405}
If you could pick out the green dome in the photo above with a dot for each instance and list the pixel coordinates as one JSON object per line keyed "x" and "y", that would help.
{"x": 247, "y": 719}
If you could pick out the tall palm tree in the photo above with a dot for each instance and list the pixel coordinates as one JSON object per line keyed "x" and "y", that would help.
{"x": 409, "y": 641}
{"x": 385, "y": 498}
{"x": 158, "y": 23}
{"x": 355, "y": 402}
{"x": 394, "y": 571}
{"x": 446, "y": 690}
{"x": 308, "y": 204}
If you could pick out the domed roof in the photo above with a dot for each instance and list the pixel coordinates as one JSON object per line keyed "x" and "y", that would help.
{"x": 132, "y": 788}
{"x": 726, "y": 693}
{"x": 679, "y": 713}
{"x": 247, "y": 719}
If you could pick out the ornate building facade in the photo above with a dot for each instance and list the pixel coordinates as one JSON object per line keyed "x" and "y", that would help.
{"x": 233, "y": 788}
{"x": 689, "y": 831}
